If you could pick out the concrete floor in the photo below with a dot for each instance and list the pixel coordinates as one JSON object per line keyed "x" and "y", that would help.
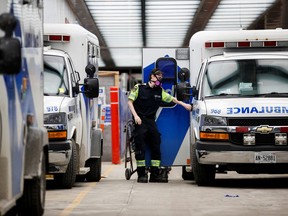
{"x": 231, "y": 195}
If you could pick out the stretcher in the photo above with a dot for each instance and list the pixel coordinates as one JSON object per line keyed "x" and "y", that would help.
{"x": 130, "y": 166}
{"x": 129, "y": 149}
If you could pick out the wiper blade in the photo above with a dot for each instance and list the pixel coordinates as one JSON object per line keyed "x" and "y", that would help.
{"x": 223, "y": 95}
{"x": 272, "y": 94}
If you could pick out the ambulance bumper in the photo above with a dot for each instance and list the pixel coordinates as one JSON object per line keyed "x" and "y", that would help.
{"x": 59, "y": 156}
{"x": 227, "y": 153}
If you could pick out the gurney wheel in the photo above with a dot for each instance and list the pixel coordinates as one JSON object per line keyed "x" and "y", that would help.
{"x": 128, "y": 173}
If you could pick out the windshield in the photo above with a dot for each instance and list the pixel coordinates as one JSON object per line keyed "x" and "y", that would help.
{"x": 55, "y": 76}
{"x": 256, "y": 77}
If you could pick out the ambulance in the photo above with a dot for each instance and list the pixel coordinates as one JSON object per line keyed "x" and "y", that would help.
{"x": 240, "y": 102}
{"x": 23, "y": 138}
{"x": 237, "y": 84}
{"x": 71, "y": 116}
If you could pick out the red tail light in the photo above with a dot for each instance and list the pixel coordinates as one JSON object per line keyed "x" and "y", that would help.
{"x": 59, "y": 38}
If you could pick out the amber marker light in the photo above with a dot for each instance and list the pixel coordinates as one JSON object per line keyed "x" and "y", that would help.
{"x": 57, "y": 134}
{"x": 214, "y": 136}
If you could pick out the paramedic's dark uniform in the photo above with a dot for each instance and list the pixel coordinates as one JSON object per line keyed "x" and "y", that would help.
{"x": 146, "y": 101}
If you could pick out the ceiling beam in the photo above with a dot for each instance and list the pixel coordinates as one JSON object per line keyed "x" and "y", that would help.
{"x": 271, "y": 18}
{"x": 284, "y": 14}
{"x": 201, "y": 18}
{"x": 83, "y": 14}
{"x": 143, "y": 22}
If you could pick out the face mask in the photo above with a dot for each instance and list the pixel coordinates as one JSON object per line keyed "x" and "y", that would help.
{"x": 158, "y": 83}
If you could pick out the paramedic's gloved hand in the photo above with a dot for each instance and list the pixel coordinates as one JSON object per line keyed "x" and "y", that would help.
{"x": 185, "y": 105}
{"x": 138, "y": 120}
{"x": 188, "y": 106}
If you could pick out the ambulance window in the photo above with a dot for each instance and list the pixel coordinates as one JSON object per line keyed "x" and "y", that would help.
{"x": 55, "y": 76}
{"x": 168, "y": 66}
{"x": 92, "y": 54}
{"x": 198, "y": 78}
{"x": 221, "y": 77}
{"x": 69, "y": 65}
{"x": 272, "y": 76}
{"x": 252, "y": 77}
{"x": 72, "y": 72}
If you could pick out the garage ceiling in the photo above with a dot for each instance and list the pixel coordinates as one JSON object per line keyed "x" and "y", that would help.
{"x": 125, "y": 27}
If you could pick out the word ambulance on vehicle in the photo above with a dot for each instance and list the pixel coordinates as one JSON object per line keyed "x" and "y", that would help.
{"x": 70, "y": 103}
{"x": 240, "y": 102}
{"x": 23, "y": 138}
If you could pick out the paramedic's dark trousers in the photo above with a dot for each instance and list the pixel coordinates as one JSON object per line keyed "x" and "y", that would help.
{"x": 147, "y": 134}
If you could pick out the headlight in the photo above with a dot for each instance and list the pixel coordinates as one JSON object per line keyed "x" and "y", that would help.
{"x": 213, "y": 121}
{"x": 55, "y": 118}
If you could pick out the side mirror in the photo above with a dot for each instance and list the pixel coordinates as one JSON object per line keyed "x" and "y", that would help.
{"x": 90, "y": 70}
{"x": 10, "y": 48}
{"x": 184, "y": 74}
{"x": 194, "y": 91}
{"x": 91, "y": 87}
{"x": 183, "y": 91}
{"x": 75, "y": 79}
{"x": 75, "y": 89}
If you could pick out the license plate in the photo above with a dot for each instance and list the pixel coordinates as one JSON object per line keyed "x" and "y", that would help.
{"x": 265, "y": 157}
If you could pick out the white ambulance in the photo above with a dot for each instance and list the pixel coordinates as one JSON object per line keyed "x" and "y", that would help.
{"x": 240, "y": 102}
{"x": 23, "y": 139}
{"x": 70, "y": 103}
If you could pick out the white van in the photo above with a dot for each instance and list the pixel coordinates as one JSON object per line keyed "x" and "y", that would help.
{"x": 238, "y": 83}
{"x": 240, "y": 102}
{"x": 23, "y": 139}
{"x": 70, "y": 103}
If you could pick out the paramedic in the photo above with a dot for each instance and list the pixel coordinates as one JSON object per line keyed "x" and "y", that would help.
{"x": 144, "y": 101}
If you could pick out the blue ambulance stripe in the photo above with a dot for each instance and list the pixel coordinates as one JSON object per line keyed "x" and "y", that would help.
{"x": 173, "y": 124}
{"x": 16, "y": 149}
{"x": 13, "y": 82}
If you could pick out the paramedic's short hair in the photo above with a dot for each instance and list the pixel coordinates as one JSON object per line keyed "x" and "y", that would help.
{"x": 156, "y": 71}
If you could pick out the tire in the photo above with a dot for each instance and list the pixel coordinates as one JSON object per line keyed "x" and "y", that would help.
{"x": 128, "y": 173}
{"x": 33, "y": 200}
{"x": 204, "y": 174}
{"x": 94, "y": 175}
{"x": 68, "y": 179}
{"x": 187, "y": 175}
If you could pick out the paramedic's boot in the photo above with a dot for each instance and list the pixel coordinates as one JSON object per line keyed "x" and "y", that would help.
{"x": 142, "y": 175}
{"x": 158, "y": 175}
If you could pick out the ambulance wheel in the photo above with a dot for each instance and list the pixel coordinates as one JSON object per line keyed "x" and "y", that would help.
{"x": 94, "y": 175}
{"x": 67, "y": 179}
{"x": 204, "y": 174}
{"x": 187, "y": 175}
{"x": 128, "y": 173}
{"x": 32, "y": 201}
